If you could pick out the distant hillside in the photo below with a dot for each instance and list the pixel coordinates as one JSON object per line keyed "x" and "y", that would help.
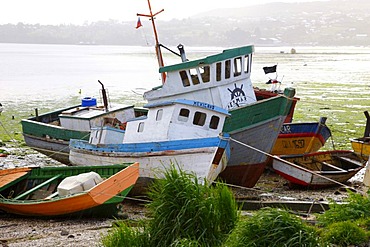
{"x": 335, "y": 22}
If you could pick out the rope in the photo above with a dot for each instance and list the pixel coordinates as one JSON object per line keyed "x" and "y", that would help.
{"x": 7, "y": 132}
{"x": 294, "y": 165}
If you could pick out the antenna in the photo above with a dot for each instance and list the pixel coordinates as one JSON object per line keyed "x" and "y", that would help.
{"x": 157, "y": 45}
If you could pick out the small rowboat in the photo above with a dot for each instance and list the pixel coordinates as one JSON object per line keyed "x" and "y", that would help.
{"x": 320, "y": 169}
{"x": 65, "y": 191}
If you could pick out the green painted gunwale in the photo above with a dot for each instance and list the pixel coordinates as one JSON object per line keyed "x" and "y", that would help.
{"x": 226, "y": 54}
{"x": 245, "y": 117}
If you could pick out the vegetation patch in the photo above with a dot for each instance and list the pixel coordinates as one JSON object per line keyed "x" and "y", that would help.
{"x": 183, "y": 212}
{"x": 345, "y": 234}
{"x": 273, "y": 227}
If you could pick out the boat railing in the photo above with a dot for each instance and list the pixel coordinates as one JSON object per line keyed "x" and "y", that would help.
{"x": 28, "y": 192}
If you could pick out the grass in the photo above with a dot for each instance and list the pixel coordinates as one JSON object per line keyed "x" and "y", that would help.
{"x": 182, "y": 212}
{"x": 345, "y": 234}
{"x": 272, "y": 227}
{"x": 356, "y": 207}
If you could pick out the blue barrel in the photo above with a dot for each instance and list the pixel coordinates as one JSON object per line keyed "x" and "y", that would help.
{"x": 88, "y": 101}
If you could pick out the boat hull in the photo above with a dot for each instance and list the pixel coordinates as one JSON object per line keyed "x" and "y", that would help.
{"x": 300, "y": 138}
{"x": 206, "y": 157}
{"x": 301, "y": 169}
{"x": 53, "y": 148}
{"x": 256, "y": 125}
{"x": 361, "y": 146}
{"x": 96, "y": 201}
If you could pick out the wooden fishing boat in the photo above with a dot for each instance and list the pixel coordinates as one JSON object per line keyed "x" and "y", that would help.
{"x": 301, "y": 138}
{"x": 223, "y": 79}
{"x": 319, "y": 169}
{"x": 50, "y": 133}
{"x": 361, "y": 145}
{"x": 183, "y": 133}
{"x": 65, "y": 190}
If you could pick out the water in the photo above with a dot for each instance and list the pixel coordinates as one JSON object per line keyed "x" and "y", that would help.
{"x": 56, "y": 75}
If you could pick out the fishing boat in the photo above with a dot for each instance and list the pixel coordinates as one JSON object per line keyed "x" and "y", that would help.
{"x": 66, "y": 191}
{"x": 319, "y": 169}
{"x": 301, "y": 138}
{"x": 184, "y": 133}
{"x": 223, "y": 79}
{"x": 361, "y": 145}
{"x": 298, "y": 137}
{"x": 50, "y": 133}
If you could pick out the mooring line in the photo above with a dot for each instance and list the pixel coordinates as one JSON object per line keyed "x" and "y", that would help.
{"x": 294, "y": 165}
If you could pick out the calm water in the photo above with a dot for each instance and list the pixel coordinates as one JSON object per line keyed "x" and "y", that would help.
{"x": 56, "y": 75}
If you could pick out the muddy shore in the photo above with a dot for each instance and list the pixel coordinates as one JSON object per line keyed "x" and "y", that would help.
{"x": 21, "y": 231}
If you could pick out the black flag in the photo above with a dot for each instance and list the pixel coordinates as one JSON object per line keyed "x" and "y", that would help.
{"x": 269, "y": 70}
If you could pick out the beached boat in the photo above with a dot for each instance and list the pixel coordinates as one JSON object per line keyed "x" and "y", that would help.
{"x": 183, "y": 133}
{"x": 255, "y": 123}
{"x": 50, "y": 133}
{"x": 301, "y": 138}
{"x": 361, "y": 145}
{"x": 223, "y": 79}
{"x": 65, "y": 190}
{"x": 297, "y": 138}
{"x": 319, "y": 169}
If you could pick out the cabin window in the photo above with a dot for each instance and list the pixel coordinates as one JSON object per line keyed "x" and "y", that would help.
{"x": 205, "y": 73}
{"x": 227, "y": 69}
{"x": 184, "y": 78}
{"x": 159, "y": 115}
{"x": 214, "y": 122}
{"x": 184, "y": 115}
{"x": 237, "y": 66}
{"x": 194, "y": 76}
{"x": 218, "y": 71}
{"x": 246, "y": 64}
{"x": 140, "y": 127}
{"x": 199, "y": 118}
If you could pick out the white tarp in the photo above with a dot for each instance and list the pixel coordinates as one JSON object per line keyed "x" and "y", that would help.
{"x": 79, "y": 183}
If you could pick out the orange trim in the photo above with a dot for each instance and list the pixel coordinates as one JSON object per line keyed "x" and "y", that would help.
{"x": 75, "y": 203}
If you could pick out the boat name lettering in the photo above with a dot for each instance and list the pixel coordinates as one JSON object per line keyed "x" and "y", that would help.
{"x": 285, "y": 129}
{"x": 204, "y": 105}
{"x": 300, "y": 143}
{"x": 236, "y": 102}
{"x": 237, "y": 96}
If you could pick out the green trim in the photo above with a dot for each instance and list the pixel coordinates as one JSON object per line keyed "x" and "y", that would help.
{"x": 34, "y": 128}
{"x": 249, "y": 115}
{"x": 226, "y": 54}
{"x": 39, "y": 186}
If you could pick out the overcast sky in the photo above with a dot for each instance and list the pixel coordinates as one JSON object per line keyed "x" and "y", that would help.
{"x": 80, "y": 11}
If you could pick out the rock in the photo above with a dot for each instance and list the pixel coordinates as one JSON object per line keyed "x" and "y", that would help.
{"x": 64, "y": 233}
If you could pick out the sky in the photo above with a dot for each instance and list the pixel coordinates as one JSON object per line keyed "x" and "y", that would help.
{"x": 78, "y": 12}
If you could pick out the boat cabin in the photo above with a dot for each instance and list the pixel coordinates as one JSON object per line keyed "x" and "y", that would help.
{"x": 222, "y": 79}
{"x": 166, "y": 121}
{"x": 84, "y": 118}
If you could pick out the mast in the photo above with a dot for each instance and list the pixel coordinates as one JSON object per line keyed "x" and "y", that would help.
{"x": 157, "y": 46}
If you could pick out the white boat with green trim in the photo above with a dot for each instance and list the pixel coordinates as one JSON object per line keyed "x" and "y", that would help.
{"x": 223, "y": 79}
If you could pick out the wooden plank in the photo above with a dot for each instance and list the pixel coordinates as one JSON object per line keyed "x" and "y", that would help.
{"x": 350, "y": 160}
{"x": 333, "y": 166}
{"x": 51, "y": 196}
{"x": 37, "y": 187}
{"x": 298, "y": 206}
